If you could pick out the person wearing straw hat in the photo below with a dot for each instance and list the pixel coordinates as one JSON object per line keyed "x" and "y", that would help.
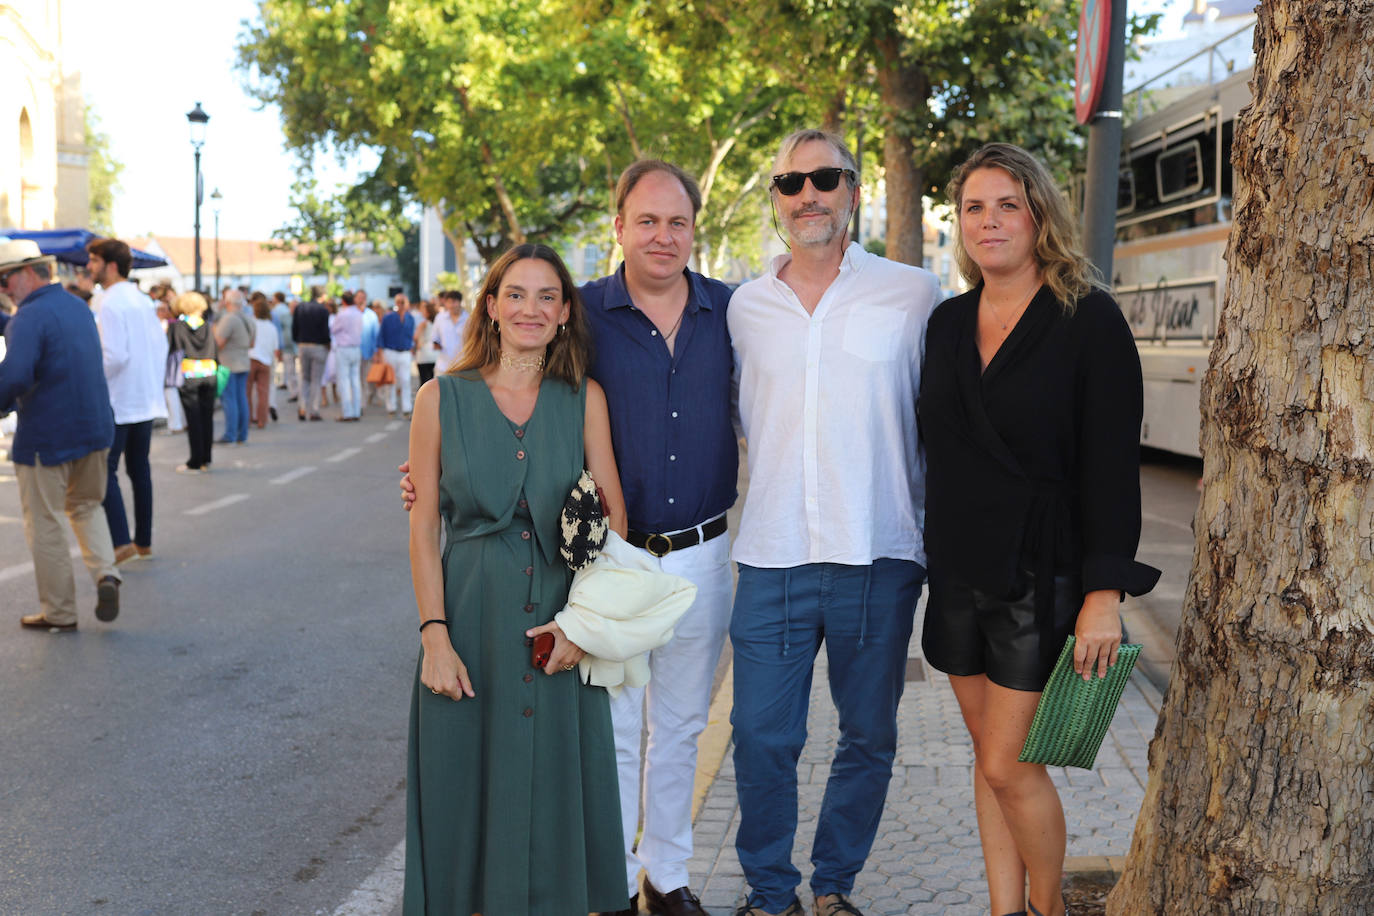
{"x": 52, "y": 376}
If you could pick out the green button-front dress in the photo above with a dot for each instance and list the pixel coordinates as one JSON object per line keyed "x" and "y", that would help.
{"x": 512, "y": 807}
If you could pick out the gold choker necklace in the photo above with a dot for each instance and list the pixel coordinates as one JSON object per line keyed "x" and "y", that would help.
{"x": 522, "y": 363}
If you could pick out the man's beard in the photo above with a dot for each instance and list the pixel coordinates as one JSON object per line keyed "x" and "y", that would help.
{"x": 819, "y": 234}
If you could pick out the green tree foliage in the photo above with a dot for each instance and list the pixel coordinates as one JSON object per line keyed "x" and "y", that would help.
{"x": 946, "y": 76}
{"x": 102, "y": 175}
{"x": 477, "y": 106}
{"x": 514, "y": 117}
{"x": 325, "y": 227}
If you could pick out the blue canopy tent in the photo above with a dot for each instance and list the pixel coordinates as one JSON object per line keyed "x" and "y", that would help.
{"x": 69, "y": 246}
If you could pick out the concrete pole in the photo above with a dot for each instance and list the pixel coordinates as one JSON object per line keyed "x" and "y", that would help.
{"x": 1104, "y": 153}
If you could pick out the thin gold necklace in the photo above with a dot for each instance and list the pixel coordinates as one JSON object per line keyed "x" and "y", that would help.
{"x": 522, "y": 363}
{"x": 997, "y": 316}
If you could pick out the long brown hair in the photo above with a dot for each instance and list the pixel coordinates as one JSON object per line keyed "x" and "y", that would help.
{"x": 567, "y": 355}
{"x": 1058, "y": 252}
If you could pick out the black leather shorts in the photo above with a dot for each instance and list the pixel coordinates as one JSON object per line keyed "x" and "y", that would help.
{"x": 969, "y": 631}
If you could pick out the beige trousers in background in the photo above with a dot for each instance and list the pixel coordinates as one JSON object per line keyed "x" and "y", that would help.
{"x": 76, "y": 489}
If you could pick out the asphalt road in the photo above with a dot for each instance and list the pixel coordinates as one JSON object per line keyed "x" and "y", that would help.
{"x": 235, "y": 742}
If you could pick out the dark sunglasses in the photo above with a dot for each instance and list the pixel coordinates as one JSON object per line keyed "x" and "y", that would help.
{"x": 790, "y": 183}
{"x": 5, "y": 277}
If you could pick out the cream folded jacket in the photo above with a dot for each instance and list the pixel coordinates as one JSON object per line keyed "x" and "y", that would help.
{"x": 619, "y": 608}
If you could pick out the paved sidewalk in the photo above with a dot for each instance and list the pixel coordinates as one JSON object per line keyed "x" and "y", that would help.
{"x": 926, "y": 859}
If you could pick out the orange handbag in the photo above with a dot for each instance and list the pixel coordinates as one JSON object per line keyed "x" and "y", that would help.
{"x": 380, "y": 373}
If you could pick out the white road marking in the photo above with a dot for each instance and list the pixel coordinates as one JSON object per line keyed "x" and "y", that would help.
{"x": 217, "y": 504}
{"x": 375, "y": 437}
{"x": 297, "y": 474}
{"x": 395, "y": 425}
{"x": 23, "y": 569}
{"x": 381, "y": 893}
{"x": 344, "y": 455}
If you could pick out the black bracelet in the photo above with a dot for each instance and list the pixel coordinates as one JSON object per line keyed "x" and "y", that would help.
{"x": 433, "y": 620}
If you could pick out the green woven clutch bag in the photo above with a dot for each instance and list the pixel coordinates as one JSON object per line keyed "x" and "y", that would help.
{"x": 1073, "y": 714}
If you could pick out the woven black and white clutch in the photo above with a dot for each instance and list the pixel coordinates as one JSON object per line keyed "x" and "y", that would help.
{"x": 583, "y": 522}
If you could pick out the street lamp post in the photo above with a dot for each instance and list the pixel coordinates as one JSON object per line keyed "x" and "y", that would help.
{"x": 197, "y": 118}
{"x": 216, "y": 196}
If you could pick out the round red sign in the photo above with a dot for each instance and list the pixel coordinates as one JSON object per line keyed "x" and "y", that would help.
{"x": 1094, "y": 27}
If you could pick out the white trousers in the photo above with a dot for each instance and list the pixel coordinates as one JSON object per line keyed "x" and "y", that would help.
{"x": 677, "y": 699}
{"x": 286, "y": 366}
{"x": 400, "y": 364}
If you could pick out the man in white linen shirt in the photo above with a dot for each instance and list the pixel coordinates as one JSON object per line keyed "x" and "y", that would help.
{"x": 448, "y": 329}
{"x": 828, "y": 347}
{"x": 134, "y": 350}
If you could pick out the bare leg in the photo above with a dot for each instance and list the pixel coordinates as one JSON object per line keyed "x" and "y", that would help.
{"x": 1006, "y": 873}
{"x": 1025, "y": 794}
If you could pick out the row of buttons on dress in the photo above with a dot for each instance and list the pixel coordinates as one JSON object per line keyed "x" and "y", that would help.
{"x": 528, "y": 678}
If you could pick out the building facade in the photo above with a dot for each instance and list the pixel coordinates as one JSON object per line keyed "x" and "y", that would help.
{"x": 43, "y": 155}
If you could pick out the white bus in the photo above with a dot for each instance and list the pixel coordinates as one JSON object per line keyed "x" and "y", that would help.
{"x": 1173, "y": 220}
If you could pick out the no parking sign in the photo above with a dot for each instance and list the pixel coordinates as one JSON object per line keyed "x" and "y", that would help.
{"x": 1094, "y": 21}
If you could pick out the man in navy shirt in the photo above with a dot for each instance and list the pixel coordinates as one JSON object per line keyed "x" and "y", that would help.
{"x": 52, "y": 375}
{"x": 396, "y": 343}
{"x": 662, "y": 354}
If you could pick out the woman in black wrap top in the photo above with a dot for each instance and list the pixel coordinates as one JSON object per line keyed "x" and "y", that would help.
{"x": 1030, "y": 410}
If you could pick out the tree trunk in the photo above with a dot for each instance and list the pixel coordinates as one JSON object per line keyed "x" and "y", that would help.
{"x": 833, "y": 119}
{"x": 903, "y": 88}
{"x": 1262, "y": 766}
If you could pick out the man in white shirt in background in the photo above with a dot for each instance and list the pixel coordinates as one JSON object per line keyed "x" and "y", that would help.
{"x": 828, "y": 347}
{"x": 448, "y": 329}
{"x": 134, "y": 349}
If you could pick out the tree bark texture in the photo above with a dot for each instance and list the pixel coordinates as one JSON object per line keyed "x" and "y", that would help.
{"x": 1261, "y": 788}
{"x": 903, "y": 87}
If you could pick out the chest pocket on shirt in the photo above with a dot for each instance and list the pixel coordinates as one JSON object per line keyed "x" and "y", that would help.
{"x": 874, "y": 332}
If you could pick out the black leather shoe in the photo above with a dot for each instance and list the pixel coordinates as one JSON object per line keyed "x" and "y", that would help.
{"x": 680, "y": 902}
{"x": 107, "y": 599}
{"x": 633, "y": 909}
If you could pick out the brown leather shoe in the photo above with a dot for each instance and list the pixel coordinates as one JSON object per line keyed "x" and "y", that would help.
{"x": 39, "y": 622}
{"x": 836, "y": 905}
{"x": 679, "y": 902}
{"x": 124, "y": 553}
{"x": 632, "y": 910}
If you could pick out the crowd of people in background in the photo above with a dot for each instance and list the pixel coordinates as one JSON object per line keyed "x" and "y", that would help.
{"x": 100, "y": 362}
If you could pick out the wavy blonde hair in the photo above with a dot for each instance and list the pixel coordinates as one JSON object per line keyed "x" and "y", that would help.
{"x": 567, "y": 355}
{"x": 192, "y": 303}
{"x": 1058, "y": 252}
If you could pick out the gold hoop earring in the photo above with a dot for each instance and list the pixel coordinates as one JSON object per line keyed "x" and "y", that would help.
{"x": 495, "y": 326}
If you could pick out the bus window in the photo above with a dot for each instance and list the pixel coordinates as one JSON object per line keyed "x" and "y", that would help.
{"x": 1179, "y": 171}
{"x": 1125, "y": 192}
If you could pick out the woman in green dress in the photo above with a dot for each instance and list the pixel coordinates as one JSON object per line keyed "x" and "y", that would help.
{"x": 513, "y": 807}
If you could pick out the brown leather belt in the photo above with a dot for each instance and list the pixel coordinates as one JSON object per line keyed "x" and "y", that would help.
{"x": 660, "y": 545}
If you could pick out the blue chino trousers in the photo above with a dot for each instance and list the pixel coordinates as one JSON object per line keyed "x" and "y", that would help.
{"x": 864, "y": 616}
